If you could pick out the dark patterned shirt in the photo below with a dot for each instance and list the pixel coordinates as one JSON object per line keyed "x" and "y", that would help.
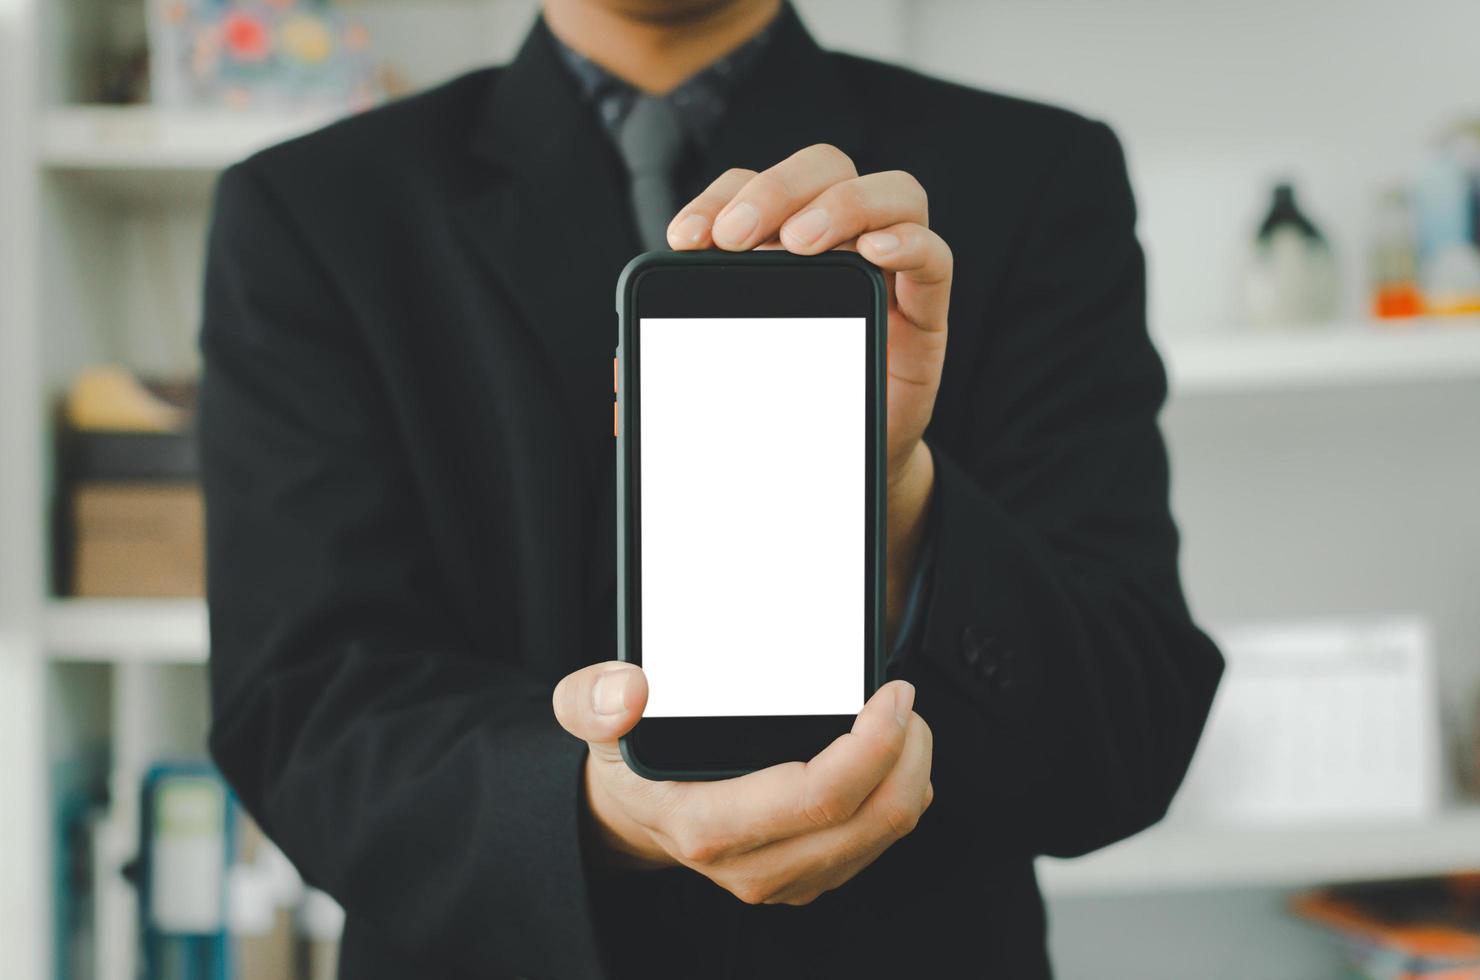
{"x": 699, "y": 101}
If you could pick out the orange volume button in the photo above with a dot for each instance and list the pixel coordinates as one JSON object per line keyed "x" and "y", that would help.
{"x": 614, "y": 420}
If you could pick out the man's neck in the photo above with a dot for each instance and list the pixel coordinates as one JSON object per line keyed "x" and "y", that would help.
{"x": 655, "y": 51}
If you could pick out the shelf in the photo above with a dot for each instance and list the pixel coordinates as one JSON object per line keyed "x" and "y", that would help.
{"x": 1324, "y": 355}
{"x": 140, "y": 154}
{"x": 150, "y": 139}
{"x": 126, "y": 630}
{"x": 1171, "y": 858}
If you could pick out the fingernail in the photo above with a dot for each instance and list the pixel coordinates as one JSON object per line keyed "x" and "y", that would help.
{"x": 904, "y": 700}
{"x": 608, "y": 693}
{"x": 882, "y": 242}
{"x": 689, "y": 231}
{"x": 737, "y": 224}
{"x": 805, "y": 229}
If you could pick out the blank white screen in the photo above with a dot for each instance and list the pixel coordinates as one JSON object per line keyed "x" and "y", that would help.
{"x": 752, "y": 452}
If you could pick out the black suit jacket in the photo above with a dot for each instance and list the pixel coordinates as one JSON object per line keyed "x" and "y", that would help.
{"x": 409, "y": 475}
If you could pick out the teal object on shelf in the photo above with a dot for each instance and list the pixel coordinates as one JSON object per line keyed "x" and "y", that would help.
{"x": 187, "y": 837}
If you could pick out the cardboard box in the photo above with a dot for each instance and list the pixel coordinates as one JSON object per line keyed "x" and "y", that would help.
{"x": 137, "y": 539}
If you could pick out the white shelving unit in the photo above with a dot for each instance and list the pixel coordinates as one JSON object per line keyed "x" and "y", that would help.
{"x": 1169, "y": 857}
{"x": 1252, "y": 360}
{"x": 139, "y": 154}
{"x": 118, "y": 147}
{"x": 122, "y": 138}
{"x": 113, "y": 631}
{"x": 1173, "y": 857}
{"x": 1318, "y": 470}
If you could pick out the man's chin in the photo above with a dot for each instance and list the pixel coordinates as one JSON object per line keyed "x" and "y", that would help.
{"x": 670, "y": 12}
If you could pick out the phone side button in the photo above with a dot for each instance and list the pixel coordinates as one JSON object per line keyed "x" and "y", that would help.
{"x": 615, "y": 419}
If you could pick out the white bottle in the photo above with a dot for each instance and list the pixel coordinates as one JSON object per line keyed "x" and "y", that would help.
{"x": 1292, "y": 275}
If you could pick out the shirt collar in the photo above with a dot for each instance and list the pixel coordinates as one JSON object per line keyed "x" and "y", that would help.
{"x": 699, "y": 100}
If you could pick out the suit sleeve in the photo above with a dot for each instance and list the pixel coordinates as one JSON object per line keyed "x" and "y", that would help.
{"x": 423, "y": 783}
{"x": 1066, "y": 681}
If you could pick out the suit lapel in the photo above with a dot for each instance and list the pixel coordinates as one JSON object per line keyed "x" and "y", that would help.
{"x": 553, "y": 225}
{"x": 793, "y": 97}
{"x": 554, "y": 228}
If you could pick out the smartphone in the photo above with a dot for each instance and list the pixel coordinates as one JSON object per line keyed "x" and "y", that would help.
{"x": 750, "y": 425}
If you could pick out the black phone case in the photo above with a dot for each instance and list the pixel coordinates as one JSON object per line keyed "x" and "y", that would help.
{"x": 626, "y": 283}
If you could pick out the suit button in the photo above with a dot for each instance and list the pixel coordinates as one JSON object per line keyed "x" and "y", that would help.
{"x": 1005, "y": 673}
{"x": 976, "y": 645}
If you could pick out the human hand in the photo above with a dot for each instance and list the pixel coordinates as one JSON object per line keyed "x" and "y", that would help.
{"x": 782, "y": 835}
{"x": 815, "y": 200}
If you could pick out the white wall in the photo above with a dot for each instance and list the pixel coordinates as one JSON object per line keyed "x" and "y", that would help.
{"x": 1215, "y": 98}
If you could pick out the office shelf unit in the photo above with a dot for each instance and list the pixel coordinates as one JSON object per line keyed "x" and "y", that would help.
{"x": 108, "y": 139}
{"x": 1317, "y": 469}
{"x": 1173, "y": 857}
{"x": 138, "y": 155}
{"x": 1168, "y": 857}
{"x": 1307, "y": 356}
{"x": 111, "y": 631}
{"x": 138, "y": 149}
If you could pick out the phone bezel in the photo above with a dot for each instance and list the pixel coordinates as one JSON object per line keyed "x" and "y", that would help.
{"x": 742, "y": 284}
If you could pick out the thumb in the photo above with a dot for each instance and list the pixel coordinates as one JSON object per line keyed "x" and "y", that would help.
{"x": 601, "y": 703}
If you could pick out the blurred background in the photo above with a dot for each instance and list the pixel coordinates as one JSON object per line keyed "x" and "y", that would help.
{"x": 1308, "y": 173}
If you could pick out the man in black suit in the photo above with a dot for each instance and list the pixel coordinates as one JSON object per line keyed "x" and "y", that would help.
{"x": 409, "y": 475}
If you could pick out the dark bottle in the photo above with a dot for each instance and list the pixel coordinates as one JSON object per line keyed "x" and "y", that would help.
{"x": 1285, "y": 213}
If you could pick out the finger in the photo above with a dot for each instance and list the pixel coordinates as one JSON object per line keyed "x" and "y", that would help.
{"x": 804, "y": 892}
{"x": 843, "y": 775}
{"x": 600, "y": 704}
{"x": 756, "y": 211}
{"x": 890, "y": 814}
{"x": 732, "y": 816}
{"x": 895, "y": 807}
{"x": 689, "y": 229}
{"x": 923, "y": 261}
{"x": 852, "y": 207}
{"x": 803, "y": 867}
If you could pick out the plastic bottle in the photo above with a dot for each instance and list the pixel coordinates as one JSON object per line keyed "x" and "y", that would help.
{"x": 1292, "y": 274}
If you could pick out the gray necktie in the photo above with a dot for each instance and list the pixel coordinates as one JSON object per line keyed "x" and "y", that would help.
{"x": 651, "y": 140}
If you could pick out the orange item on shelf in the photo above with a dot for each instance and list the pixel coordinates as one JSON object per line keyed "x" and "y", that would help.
{"x": 1397, "y": 301}
{"x": 1426, "y": 928}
